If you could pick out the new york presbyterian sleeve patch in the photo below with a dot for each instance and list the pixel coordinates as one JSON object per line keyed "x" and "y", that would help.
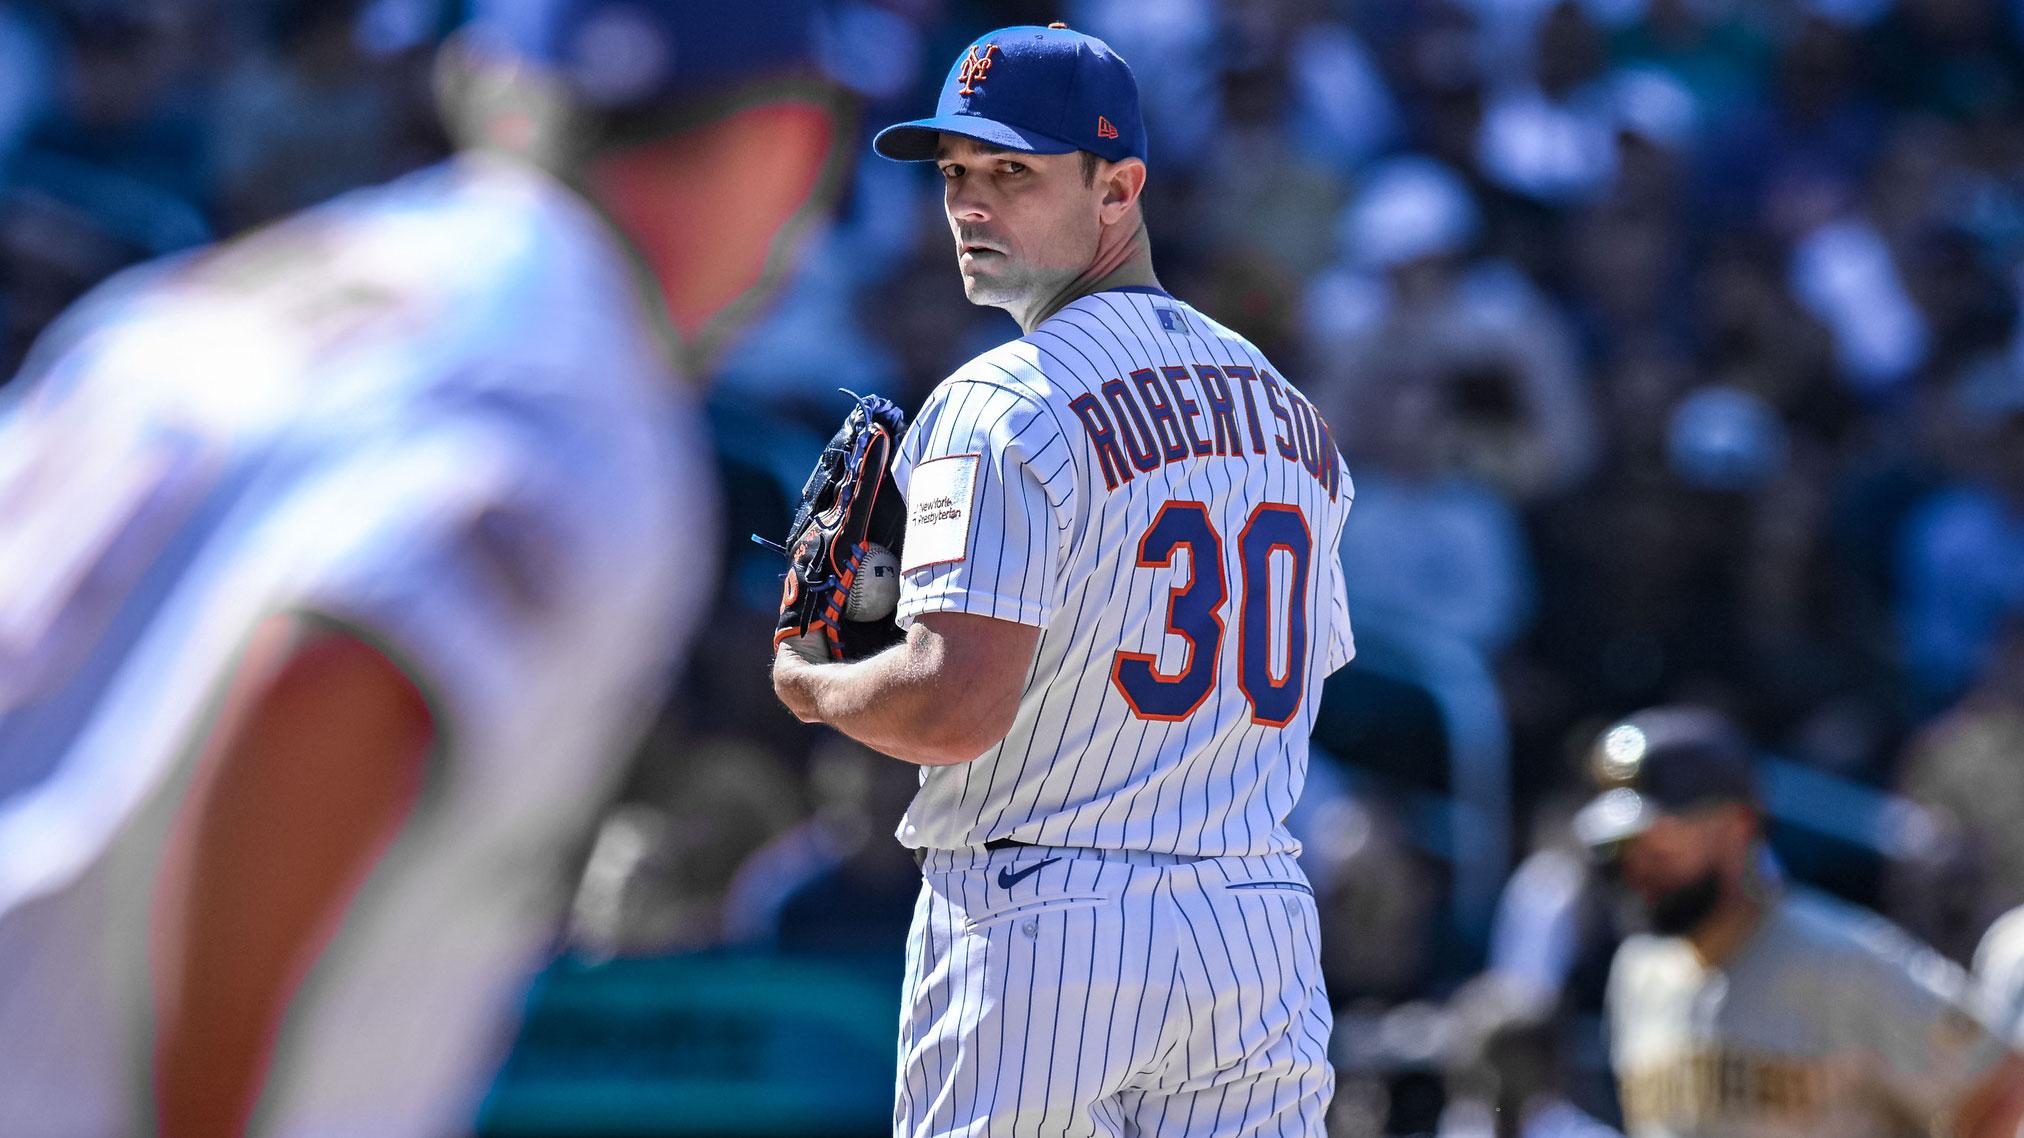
{"x": 939, "y": 499}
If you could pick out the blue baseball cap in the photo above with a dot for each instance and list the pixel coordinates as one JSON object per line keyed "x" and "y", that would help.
{"x": 1663, "y": 760}
{"x": 624, "y": 54}
{"x": 1040, "y": 90}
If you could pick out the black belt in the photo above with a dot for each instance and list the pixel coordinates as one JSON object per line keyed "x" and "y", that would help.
{"x": 921, "y": 855}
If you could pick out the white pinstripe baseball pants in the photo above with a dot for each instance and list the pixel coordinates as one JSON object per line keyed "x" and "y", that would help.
{"x": 1064, "y": 993}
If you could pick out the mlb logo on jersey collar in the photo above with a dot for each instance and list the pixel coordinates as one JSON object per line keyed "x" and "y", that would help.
{"x": 1040, "y": 90}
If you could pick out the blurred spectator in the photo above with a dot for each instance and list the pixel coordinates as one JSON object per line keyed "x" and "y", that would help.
{"x": 1952, "y": 58}
{"x": 1961, "y": 556}
{"x": 1904, "y": 283}
{"x": 25, "y": 74}
{"x": 1409, "y": 302}
{"x": 1802, "y": 155}
{"x": 1177, "y": 46}
{"x": 311, "y": 114}
{"x": 1556, "y": 923}
{"x": 1750, "y": 332}
{"x": 1554, "y": 138}
{"x": 1507, "y": 1077}
{"x": 1556, "y": 927}
{"x": 665, "y": 858}
{"x": 51, "y": 253}
{"x": 1437, "y": 65}
{"x": 1718, "y": 49}
{"x": 812, "y": 344}
{"x": 1694, "y": 558}
{"x": 122, "y": 140}
{"x": 1843, "y": 273}
{"x": 1430, "y": 549}
{"x": 1276, "y": 176}
{"x": 1378, "y": 901}
{"x": 129, "y": 112}
{"x": 1967, "y": 769}
{"x": 837, "y": 882}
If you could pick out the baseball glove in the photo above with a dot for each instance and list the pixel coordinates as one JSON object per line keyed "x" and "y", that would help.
{"x": 850, "y": 502}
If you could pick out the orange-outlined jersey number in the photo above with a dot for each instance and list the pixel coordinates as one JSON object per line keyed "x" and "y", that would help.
{"x": 1272, "y": 669}
{"x": 1194, "y": 613}
{"x": 1274, "y": 690}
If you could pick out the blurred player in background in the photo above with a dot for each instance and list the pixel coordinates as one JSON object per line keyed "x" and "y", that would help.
{"x": 339, "y": 565}
{"x": 1758, "y": 1009}
{"x": 1122, "y": 597}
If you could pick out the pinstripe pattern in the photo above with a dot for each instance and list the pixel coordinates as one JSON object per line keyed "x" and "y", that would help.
{"x": 1113, "y": 994}
{"x": 1163, "y": 977}
{"x": 1051, "y": 545}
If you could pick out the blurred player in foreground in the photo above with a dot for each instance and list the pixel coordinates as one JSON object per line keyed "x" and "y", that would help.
{"x": 339, "y": 565}
{"x": 1759, "y": 1009}
{"x": 1121, "y": 596}
{"x": 1999, "y": 974}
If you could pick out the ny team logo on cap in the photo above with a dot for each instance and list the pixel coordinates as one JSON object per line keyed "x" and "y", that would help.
{"x": 1057, "y": 91}
{"x": 976, "y": 68}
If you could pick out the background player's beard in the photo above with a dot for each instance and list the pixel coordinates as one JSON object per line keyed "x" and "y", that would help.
{"x": 1677, "y": 911}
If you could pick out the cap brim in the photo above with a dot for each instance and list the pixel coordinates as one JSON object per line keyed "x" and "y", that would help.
{"x": 916, "y": 141}
{"x": 1612, "y": 818}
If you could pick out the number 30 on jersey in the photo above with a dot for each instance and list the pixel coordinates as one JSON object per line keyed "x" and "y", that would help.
{"x": 1195, "y": 614}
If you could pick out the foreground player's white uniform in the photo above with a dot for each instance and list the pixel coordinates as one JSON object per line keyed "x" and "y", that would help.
{"x": 1999, "y": 975}
{"x": 428, "y": 411}
{"x": 1138, "y": 482}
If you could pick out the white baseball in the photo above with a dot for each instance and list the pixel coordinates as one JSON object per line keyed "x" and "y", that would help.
{"x": 876, "y": 592}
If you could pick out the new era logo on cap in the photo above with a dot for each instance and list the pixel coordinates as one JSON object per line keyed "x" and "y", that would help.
{"x": 1104, "y": 129}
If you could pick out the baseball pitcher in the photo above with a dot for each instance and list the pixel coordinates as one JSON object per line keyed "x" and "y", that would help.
{"x": 1120, "y": 596}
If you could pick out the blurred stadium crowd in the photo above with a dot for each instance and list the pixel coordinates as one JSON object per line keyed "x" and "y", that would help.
{"x": 1674, "y": 345}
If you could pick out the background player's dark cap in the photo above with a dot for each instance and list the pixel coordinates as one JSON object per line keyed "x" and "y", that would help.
{"x": 1664, "y": 760}
{"x": 1040, "y": 90}
{"x": 633, "y": 54}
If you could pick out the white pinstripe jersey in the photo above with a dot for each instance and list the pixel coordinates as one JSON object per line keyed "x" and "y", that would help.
{"x": 430, "y": 411}
{"x": 1141, "y": 484}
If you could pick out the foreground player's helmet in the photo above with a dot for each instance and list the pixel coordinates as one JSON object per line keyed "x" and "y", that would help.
{"x": 662, "y": 112}
{"x": 1664, "y": 760}
{"x": 644, "y": 55}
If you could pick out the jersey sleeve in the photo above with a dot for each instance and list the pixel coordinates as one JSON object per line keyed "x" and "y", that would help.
{"x": 1341, "y": 642}
{"x": 1917, "y": 1013}
{"x": 1999, "y": 974}
{"x": 1620, "y": 999}
{"x": 1627, "y": 1011}
{"x": 465, "y": 549}
{"x": 989, "y": 483}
